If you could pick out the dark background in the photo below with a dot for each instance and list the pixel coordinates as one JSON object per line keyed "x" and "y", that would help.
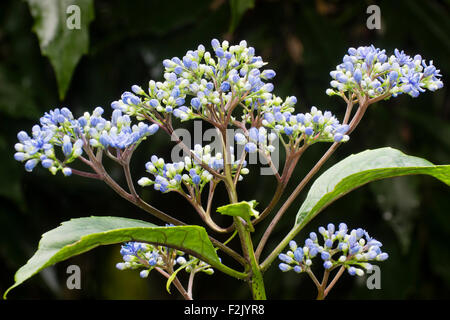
{"x": 303, "y": 41}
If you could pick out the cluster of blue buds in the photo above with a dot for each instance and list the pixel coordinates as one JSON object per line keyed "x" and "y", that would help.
{"x": 55, "y": 129}
{"x": 316, "y": 126}
{"x": 369, "y": 71}
{"x": 200, "y": 80}
{"x": 137, "y": 255}
{"x": 58, "y": 128}
{"x": 354, "y": 250}
{"x": 117, "y": 133}
{"x": 189, "y": 173}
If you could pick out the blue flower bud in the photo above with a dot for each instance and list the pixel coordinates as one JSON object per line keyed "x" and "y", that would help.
{"x": 121, "y": 266}
{"x": 298, "y": 254}
{"x": 268, "y": 74}
{"x": 313, "y": 252}
{"x": 327, "y": 264}
{"x": 67, "y": 171}
{"x": 429, "y": 70}
{"x": 269, "y": 117}
{"x": 179, "y": 101}
{"x": 338, "y": 137}
{"x": 225, "y": 86}
{"x": 285, "y": 258}
{"x": 195, "y": 103}
{"x": 354, "y": 249}
{"x": 144, "y": 273}
{"x": 196, "y": 179}
{"x": 284, "y": 267}
{"x": 19, "y": 156}
{"x": 383, "y": 256}
{"x": 67, "y": 146}
{"x": 309, "y": 131}
{"x": 154, "y": 103}
{"x": 288, "y": 130}
{"x": 47, "y": 163}
{"x": 300, "y": 118}
{"x": 359, "y": 233}
{"x": 292, "y": 245}
{"x": 136, "y": 89}
{"x": 215, "y": 43}
{"x": 393, "y": 75}
{"x": 253, "y": 133}
{"x": 153, "y": 128}
{"x": 178, "y": 70}
{"x": 250, "y": 147}
{"x": 240, "y": 138}
{"x": 30, "y": 164}
{"x": 153, "y": 259}
{"x": 316, "y": 119}
{"x": 352, "y": 271}
{"x": 298, "y": 269}
{"x": 325, "y": 255}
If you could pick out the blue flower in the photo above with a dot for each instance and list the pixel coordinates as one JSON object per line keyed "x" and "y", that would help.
{"x": 284, "y": 267}
{"x": 355, "y": 249}
{"x": 251, "y": 147}
{"x": 368, "y": 71}
{"x": 285, "y": 258}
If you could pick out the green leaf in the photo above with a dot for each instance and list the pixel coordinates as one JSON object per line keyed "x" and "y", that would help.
{"x": 174, "y": 274}
{"x": 83, "y": 234}
{"x": 359, "y": 169}
{"x": 243, "y": 209}
{"x": 62, "y": 27}
{"x": 238, "y": 8}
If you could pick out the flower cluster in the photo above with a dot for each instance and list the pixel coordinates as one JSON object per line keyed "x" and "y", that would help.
{"x": 58, "y": 128}
{"x": 200, "y": 80}
{"x": 369, "y": 71}
{"x": 353, "y": 250}
{"x": 137, "y": 255}
{"x": 55, "y": 130}
{"x": 117, "y": 133}
{"x": 316, "y": 126}
{"x": 188, "y": 173}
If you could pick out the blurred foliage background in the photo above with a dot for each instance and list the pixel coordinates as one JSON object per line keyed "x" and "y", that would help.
{"x": 302, "y": 41}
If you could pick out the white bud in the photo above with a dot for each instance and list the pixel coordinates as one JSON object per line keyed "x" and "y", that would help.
{"x": 244, "y": 171}
{"x": 181, "y": 260}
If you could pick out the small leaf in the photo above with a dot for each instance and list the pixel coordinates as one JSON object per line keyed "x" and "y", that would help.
{"x": 83, "y": 234}
{"x": 62, "y": 27}
{"x": 359, "y": 169}
{"x": 243, "y": 209}
{"x": 238, "y": 8}
{"x": 174, "y": 274}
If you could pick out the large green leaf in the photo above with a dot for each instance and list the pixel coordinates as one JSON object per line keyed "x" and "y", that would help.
{"x": 60, "y": 36}
{"x": 83, "y": 234}
{"x": 359, "y": 169}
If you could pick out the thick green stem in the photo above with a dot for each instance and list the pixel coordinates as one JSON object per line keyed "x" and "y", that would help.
{"x": 255, "y": 280}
